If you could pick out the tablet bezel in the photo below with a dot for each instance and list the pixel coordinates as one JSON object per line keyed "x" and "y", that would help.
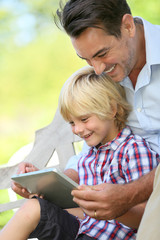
{"x": 51, "y": 183}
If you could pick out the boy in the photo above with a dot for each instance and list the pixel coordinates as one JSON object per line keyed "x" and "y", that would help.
{"x": 97, "y": 111}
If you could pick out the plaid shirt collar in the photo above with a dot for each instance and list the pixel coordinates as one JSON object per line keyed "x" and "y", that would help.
{"x": 122, "y": 136}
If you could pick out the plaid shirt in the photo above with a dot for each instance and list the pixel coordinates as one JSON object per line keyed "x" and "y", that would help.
{"x": 122, "y": 160}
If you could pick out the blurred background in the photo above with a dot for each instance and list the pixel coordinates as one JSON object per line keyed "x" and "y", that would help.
{"x": 36, "y": 58}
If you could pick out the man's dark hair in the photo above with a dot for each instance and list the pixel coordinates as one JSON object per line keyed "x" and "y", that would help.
{"x": 78, "y": 15}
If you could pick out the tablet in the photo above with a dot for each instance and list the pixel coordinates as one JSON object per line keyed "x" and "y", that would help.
{"x": 54, "y": 185}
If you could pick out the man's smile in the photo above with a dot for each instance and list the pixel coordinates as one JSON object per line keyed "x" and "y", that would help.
{"x": 110, "y": 69}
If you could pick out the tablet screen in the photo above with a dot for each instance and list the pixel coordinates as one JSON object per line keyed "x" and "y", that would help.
{"x": 54, "y": 185}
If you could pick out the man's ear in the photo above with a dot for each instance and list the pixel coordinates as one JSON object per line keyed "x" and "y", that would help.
{"x": 128, "y": 25}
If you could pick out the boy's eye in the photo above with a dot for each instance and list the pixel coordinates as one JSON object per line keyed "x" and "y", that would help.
{"x": 71, "y": 123}
{"x": 84, "y": 119}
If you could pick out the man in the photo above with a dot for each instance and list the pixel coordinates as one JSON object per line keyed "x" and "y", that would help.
{"x": 99, "y": 118}
{"x": 105, "y": 34}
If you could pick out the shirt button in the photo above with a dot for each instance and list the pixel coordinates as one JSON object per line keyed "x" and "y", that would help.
{"x": 139, "y": 109}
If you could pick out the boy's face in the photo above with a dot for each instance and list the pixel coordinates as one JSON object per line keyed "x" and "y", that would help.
{"x": 93, "y": 130}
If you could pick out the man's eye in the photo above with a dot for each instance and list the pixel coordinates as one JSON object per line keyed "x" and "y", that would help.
{"x": 102, "y": 55}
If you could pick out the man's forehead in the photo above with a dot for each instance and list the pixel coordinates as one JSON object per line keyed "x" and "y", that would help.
{"x": 98, "y": 52}
{"x": 91, "y": 43}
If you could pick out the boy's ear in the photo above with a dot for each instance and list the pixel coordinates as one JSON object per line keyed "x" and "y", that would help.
{"x": 114, "y": 109}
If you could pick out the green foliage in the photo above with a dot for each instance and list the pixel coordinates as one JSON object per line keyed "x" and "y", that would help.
{"x": 5, "y": 216}
{"x": 32, "y": 74}
{"x": 31, "y": 79}
{"x": 150, "y": 10}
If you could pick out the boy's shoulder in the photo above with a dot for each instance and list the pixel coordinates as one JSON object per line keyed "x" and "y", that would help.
{"x": 133, "y": 139}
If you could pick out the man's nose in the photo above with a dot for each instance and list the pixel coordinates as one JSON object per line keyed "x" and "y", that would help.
{"x": 99, "y": 67}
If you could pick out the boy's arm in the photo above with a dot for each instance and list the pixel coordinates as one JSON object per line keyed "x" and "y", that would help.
{"x": 76, "y": 212}
{"x": 73, "y": 174}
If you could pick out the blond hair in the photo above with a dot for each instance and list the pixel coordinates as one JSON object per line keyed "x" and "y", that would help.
{"x": 87, "y": 93}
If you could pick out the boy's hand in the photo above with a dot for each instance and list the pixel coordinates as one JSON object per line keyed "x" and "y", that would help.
{"x": 17, "y": 188}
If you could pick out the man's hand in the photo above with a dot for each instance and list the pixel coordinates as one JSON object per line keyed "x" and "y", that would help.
{"x": 23, "y": 168}
{"x": 108, "y": 200}
{"x": 113, "y": 200}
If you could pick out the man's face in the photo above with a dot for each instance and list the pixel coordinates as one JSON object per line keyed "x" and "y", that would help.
{"x": 106, "y": 53}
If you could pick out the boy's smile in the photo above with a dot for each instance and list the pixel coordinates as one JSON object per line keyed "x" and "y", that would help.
{"x": 93, "y": 130}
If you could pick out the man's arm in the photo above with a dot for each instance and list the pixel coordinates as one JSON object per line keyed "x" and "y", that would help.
{"x": 133, "y": 217}
{"x": 113, "y": 200}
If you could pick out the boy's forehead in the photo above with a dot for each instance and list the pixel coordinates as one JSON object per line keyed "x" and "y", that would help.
{"x": 78, "y": 116}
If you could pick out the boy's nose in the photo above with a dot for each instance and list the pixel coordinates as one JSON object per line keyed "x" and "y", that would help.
{"x": 78, "y": 129}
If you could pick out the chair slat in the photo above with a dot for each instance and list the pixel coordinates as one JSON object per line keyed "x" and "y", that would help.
{"x": 55, "y": 137}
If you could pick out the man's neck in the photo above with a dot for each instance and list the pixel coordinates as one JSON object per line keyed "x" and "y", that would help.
{"x": 133, "y": 76}
{"x": 141, "y": 54}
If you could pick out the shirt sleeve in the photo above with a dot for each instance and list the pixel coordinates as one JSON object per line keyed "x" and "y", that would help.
{"x": 73, "y": 161}
{"x": 139, "y": 160}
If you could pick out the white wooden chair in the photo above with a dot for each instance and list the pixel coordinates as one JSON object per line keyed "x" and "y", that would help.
{"x": 56, "y": 137}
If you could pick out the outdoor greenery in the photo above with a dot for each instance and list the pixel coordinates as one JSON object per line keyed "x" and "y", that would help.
{"x": 36, "y": 58}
